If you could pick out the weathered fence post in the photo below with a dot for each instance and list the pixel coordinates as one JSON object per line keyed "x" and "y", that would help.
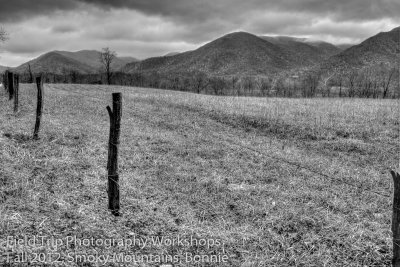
{"x": 396, "y": 220}
{"x": 39, "y": 108}
{"x": 10, "y": 84}
{"x": 112, "y": 164}
{"x": 5, "y": 80}
{"x": 16, "y": 92}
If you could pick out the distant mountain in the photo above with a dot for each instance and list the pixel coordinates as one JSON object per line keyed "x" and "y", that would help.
{"x": 59, "y": 62}
{"x": 344, "y": 46}
{"x": 91, "y": 58}
{"x": 237, "y": 53}
{"x": 54, "y": 62}
{"x": 127, "y": 60}
{"x": 325, "y": 47}
{"x": 381, "y": 49}
{"x": 310, "y": 50}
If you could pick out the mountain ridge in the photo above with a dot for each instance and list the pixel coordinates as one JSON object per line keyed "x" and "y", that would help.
{"x": 380, "y": 49}
{"x": 63, "y": 62}
{"x": 237, "y": 53}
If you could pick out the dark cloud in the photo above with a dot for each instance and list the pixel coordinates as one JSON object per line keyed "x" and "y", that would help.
{"x": 24, "y": 48}
{"x": 207, "y": 19}
{"x": 16, "y": 10}
{"x": 195, "y": 10}
{"x": 354, "y": 10}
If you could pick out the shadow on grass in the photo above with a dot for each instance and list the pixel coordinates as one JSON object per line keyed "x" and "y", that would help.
{"x": 19, "y": 138}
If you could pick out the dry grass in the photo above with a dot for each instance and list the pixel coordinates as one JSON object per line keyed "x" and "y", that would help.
{"x": 189, "y": 168}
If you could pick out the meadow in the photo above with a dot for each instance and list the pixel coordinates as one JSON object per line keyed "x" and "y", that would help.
{"x": 265, "y": 181}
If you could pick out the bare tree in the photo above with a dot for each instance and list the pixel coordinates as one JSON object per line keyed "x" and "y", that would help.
{"x": 200, "y": 82}
{"x": 265, "y": 87}
{"x": 310, "y": 84}
{"x": 217, "y": 84}
{"x": 235, "y": 80}
{"x": 3, "y": 34}
{"x": 386, "y": 82}
{"x": 29, "y": 70}
{"x": 340, "y": 81}
{"x": 248, "y": 84}
{"x": 106, "y": 58}
{"x": 351, "y": 81}
{"x": 74, "y": 76}
{"x": 326, "y": 86}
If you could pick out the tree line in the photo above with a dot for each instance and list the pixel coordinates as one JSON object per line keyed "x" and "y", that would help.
{"x": 365, "y": 84}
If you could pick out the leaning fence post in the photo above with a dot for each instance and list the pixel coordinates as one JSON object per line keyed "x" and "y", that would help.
{"x": 112, "y": 164}
{"x": 396, "y": 220}
{"x": 16, "y": 92}
{"x": 39, "y": 108}
{"x": 10, "y": 83}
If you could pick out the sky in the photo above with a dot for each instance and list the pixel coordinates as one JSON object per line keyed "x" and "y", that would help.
{"x": 146, "y": 28}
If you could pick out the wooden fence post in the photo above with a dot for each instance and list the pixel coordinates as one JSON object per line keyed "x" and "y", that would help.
{"x": 112, "y": 164}
{"x": 10, "y": 83}
{"x": 396, "y": 220}
{"x": 39, "y": 108}
{"x": 5, "y": 80}
{"x": 16, "y": 92}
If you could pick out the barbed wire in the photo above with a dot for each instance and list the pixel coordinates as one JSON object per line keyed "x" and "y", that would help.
{"x": 78, "y": 93}
{"x": 280, "y": 159}
{"x": 288, "y": 162}
{"x": 300, "y": 166}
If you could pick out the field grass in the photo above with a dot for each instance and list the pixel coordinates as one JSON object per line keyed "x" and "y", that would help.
{"x": 201, "y": 168}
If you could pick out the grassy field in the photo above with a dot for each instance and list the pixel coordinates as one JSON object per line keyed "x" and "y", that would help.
{"x": 212, "y": 178}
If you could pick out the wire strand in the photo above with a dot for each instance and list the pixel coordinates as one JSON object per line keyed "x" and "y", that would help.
{"x": 77, "y": 93}
{"x": 288, "y": 162}
{"x": 299, "y": 166}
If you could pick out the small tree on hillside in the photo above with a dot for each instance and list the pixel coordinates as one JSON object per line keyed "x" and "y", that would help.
{"x": 106, "y": 58}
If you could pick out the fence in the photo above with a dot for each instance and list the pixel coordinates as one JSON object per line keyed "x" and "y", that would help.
{"x": 11, "y": 84}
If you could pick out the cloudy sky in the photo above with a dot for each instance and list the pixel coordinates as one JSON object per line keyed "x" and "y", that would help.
{"x": 144, "y": 28}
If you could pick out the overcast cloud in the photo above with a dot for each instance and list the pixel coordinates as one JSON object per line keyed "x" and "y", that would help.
{"x": 144, "y": 28}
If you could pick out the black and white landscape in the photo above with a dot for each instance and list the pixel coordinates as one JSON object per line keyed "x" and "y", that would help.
{"x": 199, "y": 133}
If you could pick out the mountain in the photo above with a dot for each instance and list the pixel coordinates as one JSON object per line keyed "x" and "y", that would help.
{"x": 126, "y": 60}
{"x": 91, "y": 58}
{"x": 310, "y": 50}
{"x": 344, "y": 46}
{"x": 238, "y": 53}
{"x": 54, "y": 62}
{"x": 381, "y": 49}
{"x": 59, "y": 62}
{"x": 325, "y": 47}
